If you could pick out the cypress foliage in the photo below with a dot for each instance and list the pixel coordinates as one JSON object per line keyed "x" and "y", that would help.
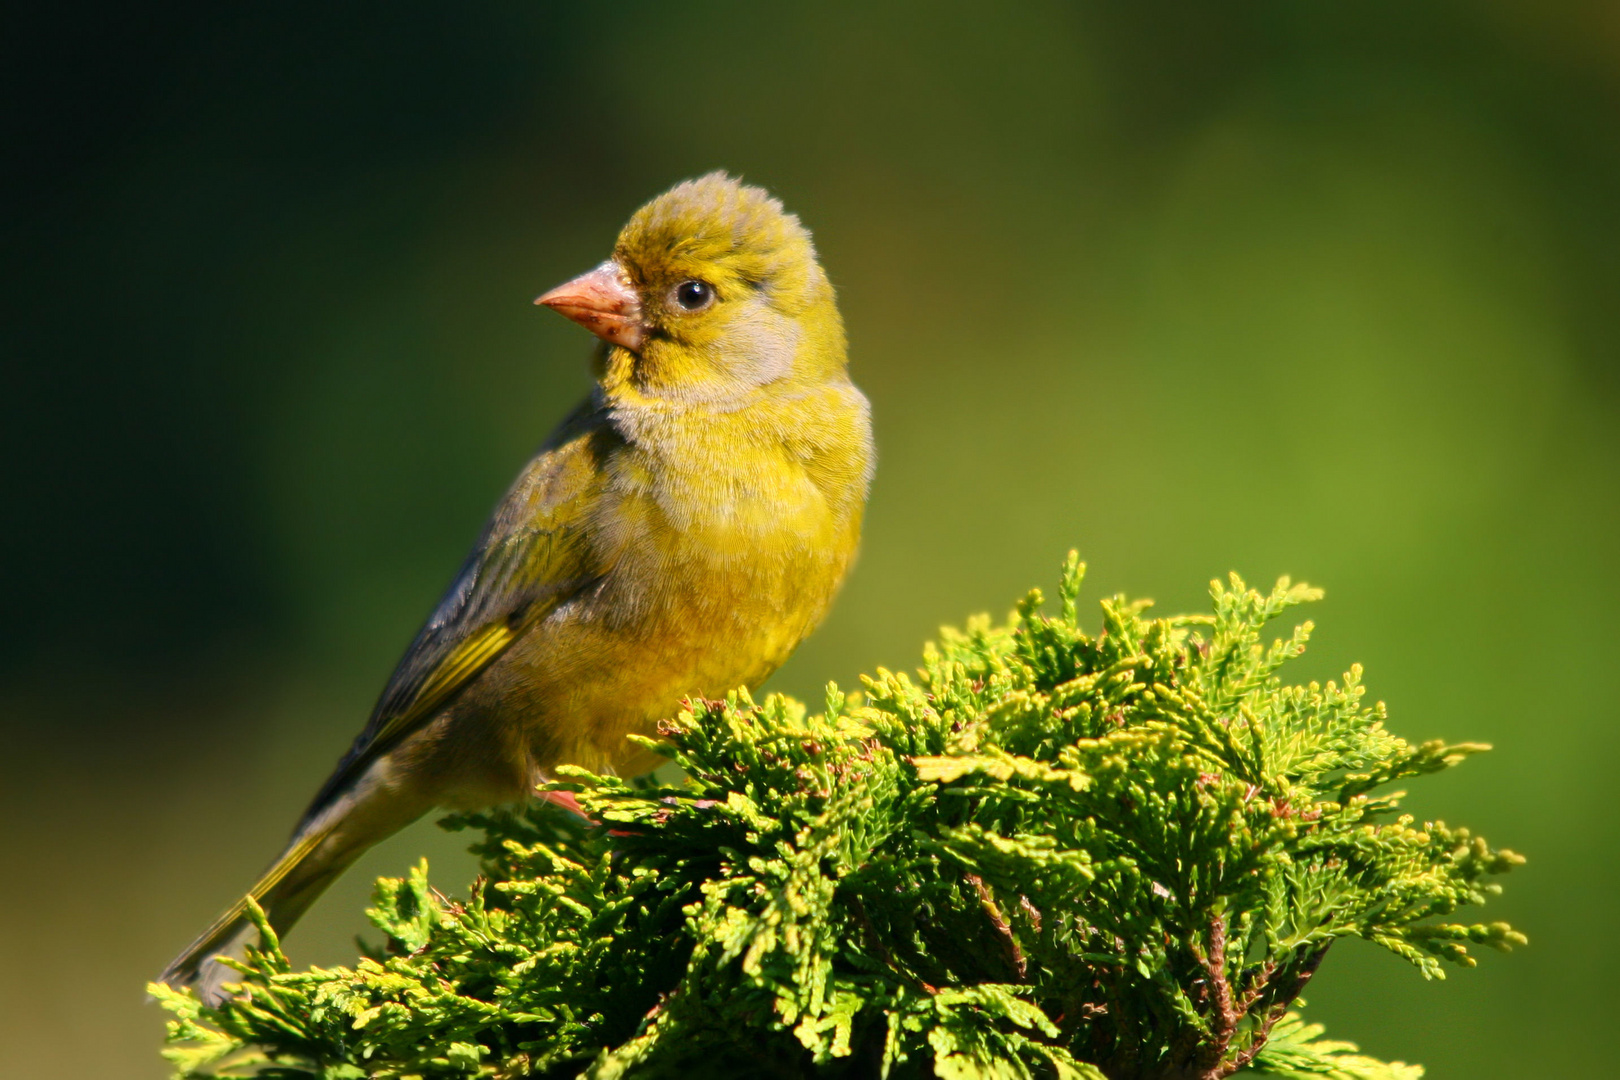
{"x": 1050, "y": 854}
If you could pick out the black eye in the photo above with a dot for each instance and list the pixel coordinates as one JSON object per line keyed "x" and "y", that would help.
{"x": 693, "y": 295}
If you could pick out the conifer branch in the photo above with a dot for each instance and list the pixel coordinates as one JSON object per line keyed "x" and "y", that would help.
{"x": 1118, "y": 856}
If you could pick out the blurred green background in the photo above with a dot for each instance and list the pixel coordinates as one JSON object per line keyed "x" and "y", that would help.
{"x": 1326, "y": 290}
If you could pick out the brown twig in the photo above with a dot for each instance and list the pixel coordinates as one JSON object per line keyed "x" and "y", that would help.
{"x": 1225, "y": 1015}
{"x": 1281, "y": 999}
{"x": 1257, "y": 986}
{"x": 875, "y": 942}
{"x": 1031, "y": 910}
{"x": 1015, "y": 955}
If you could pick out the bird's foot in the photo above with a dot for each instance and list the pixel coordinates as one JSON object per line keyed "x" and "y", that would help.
{"x": 568, "y": 801}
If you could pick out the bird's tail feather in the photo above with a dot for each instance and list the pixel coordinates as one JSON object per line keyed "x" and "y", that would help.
{"x": 284, "y": 891}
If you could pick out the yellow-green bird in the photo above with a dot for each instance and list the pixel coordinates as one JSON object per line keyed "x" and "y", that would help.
{"x": 678, "y": 534}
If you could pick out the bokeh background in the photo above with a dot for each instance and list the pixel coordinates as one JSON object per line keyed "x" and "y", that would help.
{"x": 1325, "y": 290}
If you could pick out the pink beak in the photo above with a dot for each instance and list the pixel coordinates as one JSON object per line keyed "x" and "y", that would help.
{"x": 603, "y": 302}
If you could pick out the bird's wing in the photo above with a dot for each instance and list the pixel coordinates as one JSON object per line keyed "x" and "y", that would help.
{"x": 534, "y": 555}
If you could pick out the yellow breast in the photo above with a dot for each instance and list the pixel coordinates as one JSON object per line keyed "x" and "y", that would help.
{"x": 727, "y": 534}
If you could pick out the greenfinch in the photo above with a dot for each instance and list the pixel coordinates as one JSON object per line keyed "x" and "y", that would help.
{"x": 678, "y": 535}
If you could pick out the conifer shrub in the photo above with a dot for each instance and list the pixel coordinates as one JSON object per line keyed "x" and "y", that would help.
{"x": 1050, "y": 854}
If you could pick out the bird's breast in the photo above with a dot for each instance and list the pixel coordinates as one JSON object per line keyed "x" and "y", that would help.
{"x": 737, "y": 533}
{"x": 721, "y": 555}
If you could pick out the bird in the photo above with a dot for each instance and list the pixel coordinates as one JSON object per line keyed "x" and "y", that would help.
{"x": 676, "y": 536}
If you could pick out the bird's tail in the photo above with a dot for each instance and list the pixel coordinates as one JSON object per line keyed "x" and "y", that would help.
{"x": 284, "y": 892}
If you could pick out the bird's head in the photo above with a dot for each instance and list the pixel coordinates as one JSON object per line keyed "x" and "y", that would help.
{"x": 713, "y": 292}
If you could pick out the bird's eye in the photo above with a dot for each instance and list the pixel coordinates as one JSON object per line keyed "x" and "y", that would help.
{"x": 694, "y": 295}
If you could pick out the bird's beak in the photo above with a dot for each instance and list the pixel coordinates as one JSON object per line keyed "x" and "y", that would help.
{"x": 603, "y": 302}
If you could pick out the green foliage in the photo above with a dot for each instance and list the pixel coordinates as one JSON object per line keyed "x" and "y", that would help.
{"x": 1051, "y": 854}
